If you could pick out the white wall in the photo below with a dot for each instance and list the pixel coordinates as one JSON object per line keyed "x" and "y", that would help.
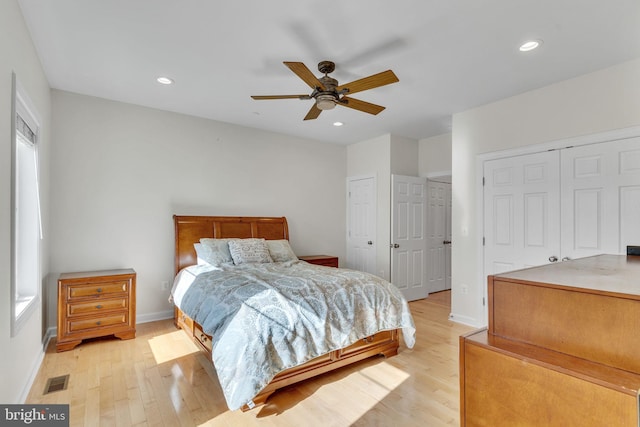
{"x": 434, "y": 155}
{"x": 20, "y": 355}
{"x": 601, "y": 101}
{"x": 119, "y": 173}
{"x": 404, "y": 156}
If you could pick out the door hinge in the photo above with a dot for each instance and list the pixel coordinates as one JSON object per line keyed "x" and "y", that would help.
{"x": 483, "y": 181}
{"x": 483, "y": 301}
{"x": 483, "y": 240}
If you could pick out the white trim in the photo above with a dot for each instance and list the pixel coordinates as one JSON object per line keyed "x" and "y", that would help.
{"x": 465, "y": 320}
{"x": 21, "y": 104}
{"x": 439, "y": 174}
{"x": 22, "y": 397}
{"x": 596, "y": 138}
{"x": 152, "y": 317}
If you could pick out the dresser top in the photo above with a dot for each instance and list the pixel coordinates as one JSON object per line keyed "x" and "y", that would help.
{"x": 97, "y": 273}
{"x": 609, "y": 273}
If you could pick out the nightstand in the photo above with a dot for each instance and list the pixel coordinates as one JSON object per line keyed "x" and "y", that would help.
{"x": 326, "y": 260}
{"x": 94, "y": 304}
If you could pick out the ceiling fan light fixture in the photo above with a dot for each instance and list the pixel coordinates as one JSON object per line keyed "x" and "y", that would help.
{"x": 325, "y": 102}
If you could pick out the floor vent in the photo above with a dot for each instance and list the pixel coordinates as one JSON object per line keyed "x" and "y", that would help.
{"x": 56, "y": 384}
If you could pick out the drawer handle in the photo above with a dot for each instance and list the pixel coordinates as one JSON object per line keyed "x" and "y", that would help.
{"x": 99, "y": 290}
{"x": 98, "y": 306}
{"x": 203, "y": 338}
{"x": 98, "y": 323}
{"x": 368, "y": 339}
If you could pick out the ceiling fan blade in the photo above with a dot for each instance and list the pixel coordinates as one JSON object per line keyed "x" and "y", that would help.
{"x": 260, "y": 97}
{"x": 376, "y": 80}
{"x": 305, "y": 74}
{"x": 313, "y": 113}
{"x": 356, "y": 104}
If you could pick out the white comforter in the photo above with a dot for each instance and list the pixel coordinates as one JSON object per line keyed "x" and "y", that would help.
{"x": 265, "y": 318}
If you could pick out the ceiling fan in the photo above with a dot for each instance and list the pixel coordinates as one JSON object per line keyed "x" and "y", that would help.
{"x": 327, "y": 93}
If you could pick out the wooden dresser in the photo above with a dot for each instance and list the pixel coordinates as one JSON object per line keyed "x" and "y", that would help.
{"x": 562, "y": 347}
{"x": 94, "y": 304}
{"x": 327, "y": 260}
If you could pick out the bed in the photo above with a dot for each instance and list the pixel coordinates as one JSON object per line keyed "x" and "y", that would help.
{"x": 198, "y": 313}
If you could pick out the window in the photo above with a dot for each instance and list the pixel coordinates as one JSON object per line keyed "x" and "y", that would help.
{"x": 26, "y": 231}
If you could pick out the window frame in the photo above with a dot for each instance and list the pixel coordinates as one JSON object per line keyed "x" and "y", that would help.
{"x": 22, "y": 105}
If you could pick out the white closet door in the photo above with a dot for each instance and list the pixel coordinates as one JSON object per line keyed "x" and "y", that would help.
{"x": 521, "y": 211}
{"x": 600, "y": 198}
{"x": 437, "y": 235}
{"x": 361, "y": 227}
{"x": 409, "y": 236}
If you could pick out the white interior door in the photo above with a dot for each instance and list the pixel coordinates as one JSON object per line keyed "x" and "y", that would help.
{"x": 521, "y": 212}
{"x": 447, "y": 247}
{"x": 409, "y": 236}
{"x": 361, "y": 229}
{"x": 600, "y": 198}
{"x": 437, "y": 235}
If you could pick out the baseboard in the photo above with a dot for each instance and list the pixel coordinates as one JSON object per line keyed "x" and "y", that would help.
{"x": 52, "y": 332}
{"x": 466, "y": 320}
{"x": 22, "y": 398}
{"x": 152, "y": 317}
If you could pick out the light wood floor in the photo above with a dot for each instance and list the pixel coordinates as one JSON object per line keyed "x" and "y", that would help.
{"x": 160, "y": 379}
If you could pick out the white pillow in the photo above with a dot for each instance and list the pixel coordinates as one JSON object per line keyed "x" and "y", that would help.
{"x": 215, "y": 251}
{"x": 281, "y": 251}
{"x": 249, "y": 251}
{"x": 199, "y": 253}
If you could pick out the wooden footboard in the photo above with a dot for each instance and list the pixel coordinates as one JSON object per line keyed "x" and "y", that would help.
{"x": 385, "y": 343}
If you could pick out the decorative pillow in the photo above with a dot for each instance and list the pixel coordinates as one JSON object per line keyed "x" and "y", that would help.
{"x": 281, "y": 251}
{"x": 249, "y": 251}
{"x": 215, "y": 251}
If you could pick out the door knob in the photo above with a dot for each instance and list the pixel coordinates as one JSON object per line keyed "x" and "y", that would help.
{"x": 446, "y": 242}
{"x": 394, "y": 245}
{"x": 553, "y": 258}
{"x": 369, "y": 242}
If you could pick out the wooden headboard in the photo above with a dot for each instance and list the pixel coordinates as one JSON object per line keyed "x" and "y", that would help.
{"x": 190, "y": 229}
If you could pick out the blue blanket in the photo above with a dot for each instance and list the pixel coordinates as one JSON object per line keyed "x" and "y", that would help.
{"x": 265, "y": 318}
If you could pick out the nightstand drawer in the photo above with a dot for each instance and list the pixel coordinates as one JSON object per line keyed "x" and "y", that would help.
{"x": 98, "y": 322}
{"x": 96, "y": 289}
{"x": 96, "y": 306}
{"x": 326, "y": 260}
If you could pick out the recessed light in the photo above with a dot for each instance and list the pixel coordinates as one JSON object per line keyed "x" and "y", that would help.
{"x": 164, "y": 80}
{"x": 530, "y": 45}
{"x": 338, "y": 123}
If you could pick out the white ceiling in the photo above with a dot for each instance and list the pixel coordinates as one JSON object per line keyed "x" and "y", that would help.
{"x": 450, "y": 55}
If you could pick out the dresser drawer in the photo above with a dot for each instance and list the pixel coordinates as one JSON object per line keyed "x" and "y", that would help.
{"x": 96, "y": 306}
{"x": 96, "y": 289}
{"x": 98, "y": 322}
